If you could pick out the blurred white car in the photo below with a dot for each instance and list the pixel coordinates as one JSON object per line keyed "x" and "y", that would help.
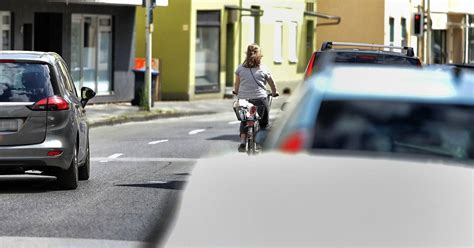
{"x": 325, "y": 201}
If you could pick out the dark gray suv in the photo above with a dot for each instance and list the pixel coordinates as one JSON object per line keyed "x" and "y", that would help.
{"x": 43, "y": 123}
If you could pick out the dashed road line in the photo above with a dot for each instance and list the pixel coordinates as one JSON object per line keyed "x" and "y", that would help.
{"x": 193, "y": 132}
{"x": 234, "y": 122}
{"x": 111, "y": 157}
{"x": 157, "y": 142}
{"x": 114, "y": 156}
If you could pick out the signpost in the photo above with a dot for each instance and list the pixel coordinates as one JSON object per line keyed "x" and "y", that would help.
{"x": 149, "y": 5}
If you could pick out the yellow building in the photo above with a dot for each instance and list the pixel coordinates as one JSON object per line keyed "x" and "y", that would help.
{"x": 201, "y": 42}
{"x": 367, "y": 21}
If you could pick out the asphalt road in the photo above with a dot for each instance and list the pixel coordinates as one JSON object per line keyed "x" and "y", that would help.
{"x": 137, "y": 173}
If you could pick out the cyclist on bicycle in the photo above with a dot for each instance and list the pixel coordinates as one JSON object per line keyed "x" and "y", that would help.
{"x": 250, "y": 84}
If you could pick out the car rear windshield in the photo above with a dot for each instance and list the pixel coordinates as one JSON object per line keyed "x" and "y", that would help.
{"x": 364, "y": 58}
{"x": 439, "y": 130}
{"x": 24, "y": 82}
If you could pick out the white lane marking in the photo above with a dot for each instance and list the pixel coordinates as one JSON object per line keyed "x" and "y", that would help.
{"x": 234, "y": 122}
{"x": 157, "y": 142}
{"x": 196, "y": 131}
{"x": 147, "y": 159}
{"x": 113, "y": 156}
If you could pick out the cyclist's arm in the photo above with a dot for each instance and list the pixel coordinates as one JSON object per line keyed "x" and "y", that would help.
{"x": 272, "y": 86}
{"x": 236, "y": 85}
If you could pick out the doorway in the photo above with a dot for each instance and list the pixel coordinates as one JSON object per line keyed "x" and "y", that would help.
{"x": 48, "y": 32}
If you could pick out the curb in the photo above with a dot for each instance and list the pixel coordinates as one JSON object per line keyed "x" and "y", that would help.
{"x": 140, "y": 118}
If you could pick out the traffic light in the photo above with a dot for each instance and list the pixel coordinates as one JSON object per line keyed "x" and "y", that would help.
{"x": 418, "y": 24}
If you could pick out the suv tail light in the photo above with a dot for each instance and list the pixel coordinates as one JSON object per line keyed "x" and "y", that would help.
{"x": 309, "y": 69}
{"x": 52, "y": 103}
{"x": 294, "y": 142}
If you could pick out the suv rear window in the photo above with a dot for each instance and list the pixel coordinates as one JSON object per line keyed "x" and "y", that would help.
{"x": 373, "y": 58}
{"x": 363, "y": 58}
{"x": 438, "y": 130}
{"x": 24, "y": 82}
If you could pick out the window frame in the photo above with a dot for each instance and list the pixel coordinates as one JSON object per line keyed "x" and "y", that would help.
{"x": 278, "y": 42}
{"x": 293, "y": 42}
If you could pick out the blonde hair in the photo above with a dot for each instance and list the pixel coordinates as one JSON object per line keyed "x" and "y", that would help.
{"x": 254, "y": 56}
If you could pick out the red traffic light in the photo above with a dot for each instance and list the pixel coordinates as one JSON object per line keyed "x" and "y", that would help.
{"x": 417, "y": 17}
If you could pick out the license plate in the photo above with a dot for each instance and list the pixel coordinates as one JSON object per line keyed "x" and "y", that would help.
{"x": 8, "y": 125}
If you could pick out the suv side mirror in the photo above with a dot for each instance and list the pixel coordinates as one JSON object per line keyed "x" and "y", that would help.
{"x": 86, "y": 95}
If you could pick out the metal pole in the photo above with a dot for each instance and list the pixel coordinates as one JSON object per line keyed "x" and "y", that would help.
{"x": 428, "y": 34}
{"x": 148, "y": 30}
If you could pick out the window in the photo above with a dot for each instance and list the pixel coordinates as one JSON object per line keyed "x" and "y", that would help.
{"x": 278, "y": 38}
{"x": 207, "y": 51}
{"x": 5, "y": 30}
{"x": 438, "y": 46}
{"x": 293, "y": 42}
{"x": 91, "y": 52}
{"x": 403, "y": 23}
{"x": 391, "y": 22}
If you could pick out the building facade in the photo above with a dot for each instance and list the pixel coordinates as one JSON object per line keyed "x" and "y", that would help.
{"x": 95, "y": 38}
{"x": 200, "y": 43}
{"x": 389, "y": 22}
{"x": 452, "y": 31}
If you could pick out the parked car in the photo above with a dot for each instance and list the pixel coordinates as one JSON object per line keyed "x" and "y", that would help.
{"x": 360, "y": 53}
{"x": 380, "y": 110}
{"x": 43, "y": 123}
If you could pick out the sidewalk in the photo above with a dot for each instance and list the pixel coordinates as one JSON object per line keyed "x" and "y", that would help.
{"x": 116, "y": 113}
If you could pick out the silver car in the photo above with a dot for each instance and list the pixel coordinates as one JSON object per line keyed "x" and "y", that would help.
{"x": 43, "y": 123}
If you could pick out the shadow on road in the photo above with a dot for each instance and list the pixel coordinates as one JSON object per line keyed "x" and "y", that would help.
{"x": 234, "y": 137}
{"x": 172, "y": 185}
{"x": 24, "y": 184}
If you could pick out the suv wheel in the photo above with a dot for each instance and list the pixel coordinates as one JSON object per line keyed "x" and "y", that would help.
{"x": 68, "y": 179}
{"x": 84, "y": 170}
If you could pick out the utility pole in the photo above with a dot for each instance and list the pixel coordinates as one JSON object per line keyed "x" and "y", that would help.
{"x": 148, "y": 30}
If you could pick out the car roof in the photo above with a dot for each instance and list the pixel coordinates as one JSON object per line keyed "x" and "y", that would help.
{"x": 396, "y": 83}
{"x": 46, "y": 57}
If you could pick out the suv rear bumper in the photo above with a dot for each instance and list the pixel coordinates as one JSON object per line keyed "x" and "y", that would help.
{"x": 36, "y": 155}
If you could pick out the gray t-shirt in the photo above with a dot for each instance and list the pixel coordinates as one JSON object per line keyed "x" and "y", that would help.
{"x": 249, "y": 89}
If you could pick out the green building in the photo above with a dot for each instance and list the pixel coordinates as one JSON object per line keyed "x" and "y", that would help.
{"x": 200, "y": 42}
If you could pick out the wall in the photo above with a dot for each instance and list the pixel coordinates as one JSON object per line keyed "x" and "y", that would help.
{"x": 171, "y": 44}
{"x": 362, "y": 21}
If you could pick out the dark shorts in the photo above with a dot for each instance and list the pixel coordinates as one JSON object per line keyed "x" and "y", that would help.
{"x": 262, "y": 109}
